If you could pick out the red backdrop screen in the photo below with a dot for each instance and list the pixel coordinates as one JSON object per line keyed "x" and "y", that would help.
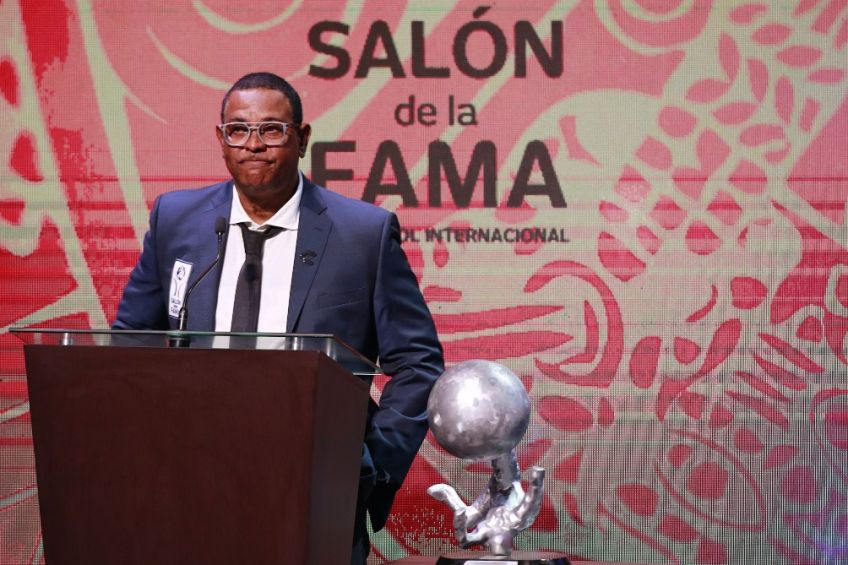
{"x": 637, "y": 206}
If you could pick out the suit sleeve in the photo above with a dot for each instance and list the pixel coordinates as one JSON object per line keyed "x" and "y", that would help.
{"x": 410, "y": 354}
{"x": 142, "y": 305}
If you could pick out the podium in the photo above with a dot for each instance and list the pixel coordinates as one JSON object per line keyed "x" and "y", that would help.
{"x": 235, "y": 448}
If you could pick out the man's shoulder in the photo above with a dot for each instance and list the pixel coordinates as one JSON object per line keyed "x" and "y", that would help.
{"x": 358, "y": 209}
{"x": 194, "y": 196}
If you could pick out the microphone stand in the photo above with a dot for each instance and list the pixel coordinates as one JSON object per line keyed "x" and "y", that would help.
{"x": 179, "y": 339}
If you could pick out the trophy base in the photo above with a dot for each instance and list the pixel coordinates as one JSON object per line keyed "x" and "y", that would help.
{"x": 516, "y": 558}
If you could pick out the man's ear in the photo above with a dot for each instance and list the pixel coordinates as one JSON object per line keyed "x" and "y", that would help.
{"x": 220, "y": 136}
{"x": 305, "y": 130}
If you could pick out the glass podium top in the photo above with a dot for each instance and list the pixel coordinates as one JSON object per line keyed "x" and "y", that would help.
{"x": 331, "y": 346}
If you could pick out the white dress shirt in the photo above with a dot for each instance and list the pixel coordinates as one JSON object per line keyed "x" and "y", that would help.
{"x": 277, "y": 265}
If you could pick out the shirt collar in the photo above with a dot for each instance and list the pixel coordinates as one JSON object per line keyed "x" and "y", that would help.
{"x": 286, "y": 217}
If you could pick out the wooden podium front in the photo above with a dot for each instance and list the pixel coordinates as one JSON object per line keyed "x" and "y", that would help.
{"x": 162, "y": 455}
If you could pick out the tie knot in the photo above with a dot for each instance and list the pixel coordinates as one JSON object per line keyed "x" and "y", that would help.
{"x": 254, "y": 240}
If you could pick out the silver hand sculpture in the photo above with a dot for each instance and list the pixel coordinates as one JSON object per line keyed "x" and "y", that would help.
{"x": 501, "y": 510}
{"x": 480, "y": 410}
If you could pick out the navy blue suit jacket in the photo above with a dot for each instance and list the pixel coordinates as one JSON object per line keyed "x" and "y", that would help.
{"x": 359, "y": 287}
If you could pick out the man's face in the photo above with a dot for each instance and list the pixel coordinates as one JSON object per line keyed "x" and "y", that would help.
{"x": 258, "y": 170}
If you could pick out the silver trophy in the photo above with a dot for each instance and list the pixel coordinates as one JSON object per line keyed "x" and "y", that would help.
{"x": 480, "y": 410}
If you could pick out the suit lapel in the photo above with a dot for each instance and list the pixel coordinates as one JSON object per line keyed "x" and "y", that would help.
{"x": 313, "y": 230}
{"x": 204, "y": 298}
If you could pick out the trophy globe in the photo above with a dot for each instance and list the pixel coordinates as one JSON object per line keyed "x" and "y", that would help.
{"x": 480, "y": 410}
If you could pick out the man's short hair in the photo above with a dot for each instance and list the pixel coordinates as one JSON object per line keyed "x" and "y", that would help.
{"x": 271, "y": 82}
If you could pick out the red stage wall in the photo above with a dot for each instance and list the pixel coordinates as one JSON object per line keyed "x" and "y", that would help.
{"x": 637, "y": 205}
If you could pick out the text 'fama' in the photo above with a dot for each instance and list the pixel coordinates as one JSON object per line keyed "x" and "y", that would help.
{"x": 389, "y": 175}
{"x": 487, "y": 235}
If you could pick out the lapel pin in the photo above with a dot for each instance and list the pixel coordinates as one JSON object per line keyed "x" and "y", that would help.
{"x": 306, "y": 256}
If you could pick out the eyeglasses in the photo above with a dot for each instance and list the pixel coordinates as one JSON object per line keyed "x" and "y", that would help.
{"x": 272, "y": 134}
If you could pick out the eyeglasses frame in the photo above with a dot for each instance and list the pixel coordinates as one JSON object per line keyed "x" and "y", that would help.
{"x": 254, "y": 126}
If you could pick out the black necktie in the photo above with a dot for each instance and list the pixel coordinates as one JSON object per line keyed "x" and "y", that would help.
{"x": 249, "y": 285}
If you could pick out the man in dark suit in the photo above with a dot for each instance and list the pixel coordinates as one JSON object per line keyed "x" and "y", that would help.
{"x": 329, "y": 264}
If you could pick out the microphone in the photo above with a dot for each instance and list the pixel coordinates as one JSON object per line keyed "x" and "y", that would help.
{"x": 220, "y": 227}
